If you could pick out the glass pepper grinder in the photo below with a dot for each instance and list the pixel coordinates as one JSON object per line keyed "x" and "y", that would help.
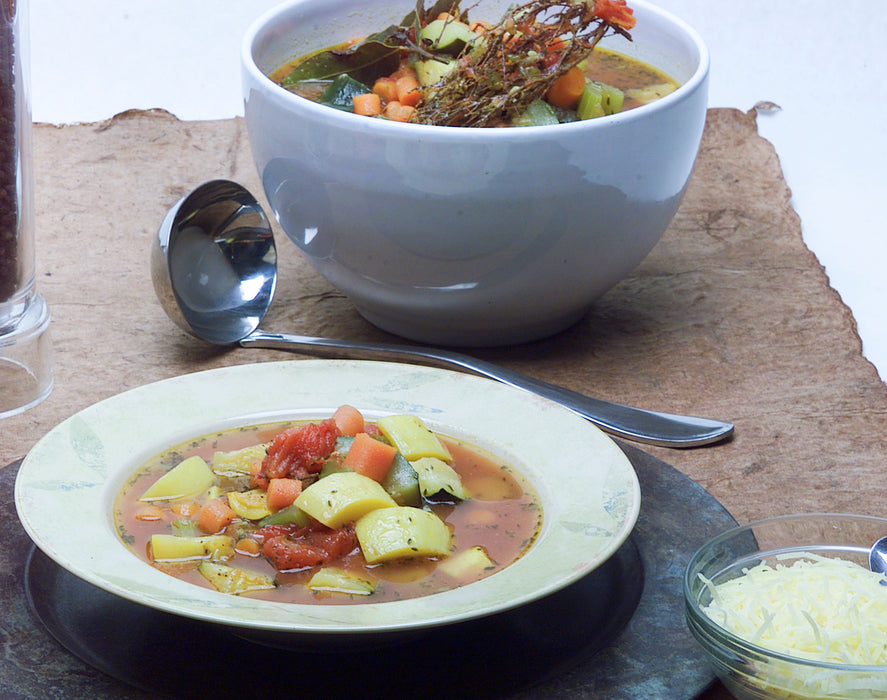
{"x": 25, "y": 348}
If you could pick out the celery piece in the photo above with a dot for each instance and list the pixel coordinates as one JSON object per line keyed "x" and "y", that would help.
{"x": 184, "y": 527}
{"x": 448, "y": 35}
{"x": 537, "y": 113}
{"x": 591, "y": 103}
{"x": 431, "y": 71}
{"x": 341, "y": 92}
{"x": 613, "y": 99}
{"x": 599, "y": 100}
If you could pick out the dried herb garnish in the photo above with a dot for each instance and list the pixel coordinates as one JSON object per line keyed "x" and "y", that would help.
{"x": 516, "y": 61}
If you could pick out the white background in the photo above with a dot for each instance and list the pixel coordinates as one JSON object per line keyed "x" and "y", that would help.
{"x": 822, "y": 61}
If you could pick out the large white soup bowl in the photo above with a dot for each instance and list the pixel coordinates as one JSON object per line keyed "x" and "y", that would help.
{"x": 469, "y": 236}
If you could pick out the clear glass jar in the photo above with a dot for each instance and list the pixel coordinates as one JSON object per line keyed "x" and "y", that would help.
{"x": 25, "y": 349}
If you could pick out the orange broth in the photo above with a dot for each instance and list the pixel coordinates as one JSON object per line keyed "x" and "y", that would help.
{"x": 503, "y": 516}
{"x": 641, "y": 82}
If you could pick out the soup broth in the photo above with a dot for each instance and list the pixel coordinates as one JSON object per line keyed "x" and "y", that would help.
{"x": 640, "y": 82}
{"x": 491, "y": 527}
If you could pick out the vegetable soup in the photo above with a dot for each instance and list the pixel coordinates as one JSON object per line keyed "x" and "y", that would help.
{"x": 539, "y": 65}
{"x": 334, "y": 511}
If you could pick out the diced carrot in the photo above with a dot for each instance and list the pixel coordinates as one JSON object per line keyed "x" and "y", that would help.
{"x": 398, "y": 112}
{"x": 404, "y": 70}
{"x": 566, "y": 90}
{"x": 386, "y": 89}
{"x": 369, "y": 457}
{"x": 408, "y": 91}
{"x": 282, "y": 492}
{"x": 248, "y": 547}
{"x": 149, "y": 512}
{"x": 215, "y": 516}
{"x": 369, "y": 104}
{"x": 478, "y": 26}
{"x": 185, "y": 509}
{"x": 348, "y": 420}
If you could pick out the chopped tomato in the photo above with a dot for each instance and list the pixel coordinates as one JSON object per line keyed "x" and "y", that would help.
{"x": 314, "y": 548}
{"x": 298, "y": 452}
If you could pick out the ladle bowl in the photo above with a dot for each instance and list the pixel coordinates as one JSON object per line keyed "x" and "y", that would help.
{"x": 214, "y": 263}
{"x": 878, "y": 556}
{"x": 214, "y": 267}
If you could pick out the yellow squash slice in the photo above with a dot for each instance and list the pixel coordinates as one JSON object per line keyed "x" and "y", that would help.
{"x": 188, "y": 478}
{"x": 412, "y": 437}
{"x": 343, "y": 497}
{"x": 402, "y": 532}
{"x": 232, "y": 579}
{"x": 174, "y": 548}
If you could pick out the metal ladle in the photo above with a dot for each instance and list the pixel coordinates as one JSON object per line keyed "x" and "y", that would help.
{"x": 878, "y": 556}
{"x": 214, "y": 267}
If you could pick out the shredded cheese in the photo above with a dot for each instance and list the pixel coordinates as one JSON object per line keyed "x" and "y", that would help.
{"x": 821, "y": 609}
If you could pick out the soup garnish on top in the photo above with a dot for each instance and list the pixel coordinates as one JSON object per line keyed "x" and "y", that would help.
{"x": 538, "y": 65}
{"x": 333, "y": 511}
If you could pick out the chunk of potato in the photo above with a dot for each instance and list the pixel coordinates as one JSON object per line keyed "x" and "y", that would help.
{"x": 435, "y": 476}
{"x": 342, "y": 497}
{"x": 238, "y": 462}
{"x": 188, "y": 478}
{"x": 469, "y": 563}
{"x": 173, "y": 548}
{"x": 251, "y": 505}
{"x": 334, "y": 580}
{"x": 402, "y": 532}
{"x": 412, "y": 437}
{"x": 233, "y": 579}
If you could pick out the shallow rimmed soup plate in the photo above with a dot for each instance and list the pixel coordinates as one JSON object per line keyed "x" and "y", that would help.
{"x": 67, "y": 484}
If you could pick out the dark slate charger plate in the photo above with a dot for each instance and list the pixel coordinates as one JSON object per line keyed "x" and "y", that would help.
{"x": 618, "y": 633}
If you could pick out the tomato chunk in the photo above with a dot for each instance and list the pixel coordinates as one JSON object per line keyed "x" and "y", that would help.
{"x": 298, "y": 452}
{"x": 314, "y": 548}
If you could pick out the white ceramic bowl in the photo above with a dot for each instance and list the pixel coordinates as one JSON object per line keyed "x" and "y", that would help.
{"x": 501, "y": 235}
{"x": 67, "y": 484}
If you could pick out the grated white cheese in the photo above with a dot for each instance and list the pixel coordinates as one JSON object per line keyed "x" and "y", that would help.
{"x": 819, "y": 608}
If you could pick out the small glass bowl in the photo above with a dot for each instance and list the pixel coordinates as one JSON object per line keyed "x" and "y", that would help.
{"x": 752, "y": 672}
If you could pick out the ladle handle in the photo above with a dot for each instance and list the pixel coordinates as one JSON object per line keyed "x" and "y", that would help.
{"x": 640, "y": 425}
